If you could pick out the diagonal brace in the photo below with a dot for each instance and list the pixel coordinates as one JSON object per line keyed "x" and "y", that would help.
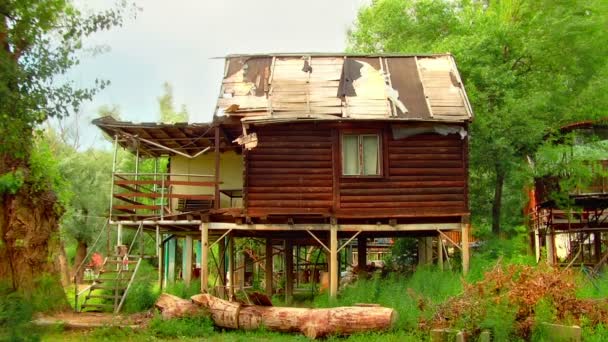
{"x": 450, "y": 240}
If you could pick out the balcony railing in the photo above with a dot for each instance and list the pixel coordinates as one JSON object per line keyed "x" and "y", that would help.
{"x": 161, "y": 194}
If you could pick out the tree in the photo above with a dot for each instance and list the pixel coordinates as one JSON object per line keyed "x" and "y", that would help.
{"x": 524, "y": 64}
{"x": 39, "y": 41}
{"x": 167, "y": 107}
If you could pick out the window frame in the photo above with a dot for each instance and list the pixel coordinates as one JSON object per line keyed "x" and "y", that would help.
{"x": 380, "y": 156}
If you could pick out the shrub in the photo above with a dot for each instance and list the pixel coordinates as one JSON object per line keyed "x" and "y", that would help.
{"x": 15, "y": 317}
{"x": 143, "y": 293}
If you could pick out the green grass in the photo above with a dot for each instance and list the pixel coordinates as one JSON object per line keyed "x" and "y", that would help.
{"x": 415, "y": 297}
{"x": 412, "y": 297}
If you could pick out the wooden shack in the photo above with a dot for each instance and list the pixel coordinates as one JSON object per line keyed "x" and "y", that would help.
{"x": 307, "y": 149}
{"x": 572, "y": 229}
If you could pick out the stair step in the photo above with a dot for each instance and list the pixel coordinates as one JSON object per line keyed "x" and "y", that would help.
{"x": 112, "y": 280}
{"x": 109, "y": 287}
{"x": 115, "y": 271}
{"x": 97, "y": 306}
{"x": 121, "y": 262}
{"x": 102, "y": 296}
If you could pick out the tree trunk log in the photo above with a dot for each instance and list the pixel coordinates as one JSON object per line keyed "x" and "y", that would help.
{"x": 314, "y": 323}
{"x": 81, "y": 253}
{"x": 171, "y": 306}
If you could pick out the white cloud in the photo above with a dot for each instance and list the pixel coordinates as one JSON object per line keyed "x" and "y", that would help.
{"x": 175, "y": 41}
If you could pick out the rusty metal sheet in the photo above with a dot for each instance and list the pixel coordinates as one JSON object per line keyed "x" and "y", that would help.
{"x": 406, "y": 80}
{"x": 334, "y": 86}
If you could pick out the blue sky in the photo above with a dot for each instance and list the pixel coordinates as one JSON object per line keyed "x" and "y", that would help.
{"x": 176, "y": 41}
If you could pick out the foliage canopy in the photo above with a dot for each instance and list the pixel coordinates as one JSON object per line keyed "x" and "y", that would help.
{"x": 528, "y": 66}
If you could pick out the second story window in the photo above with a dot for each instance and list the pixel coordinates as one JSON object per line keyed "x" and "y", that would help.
{"x": 361, "y": 155}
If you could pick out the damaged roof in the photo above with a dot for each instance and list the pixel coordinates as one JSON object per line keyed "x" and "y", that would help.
{"x": 328, "y": 86}
{"x": 157, "y": 139}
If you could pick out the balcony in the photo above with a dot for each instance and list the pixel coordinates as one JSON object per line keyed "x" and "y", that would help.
{"x": 157, "y": 196}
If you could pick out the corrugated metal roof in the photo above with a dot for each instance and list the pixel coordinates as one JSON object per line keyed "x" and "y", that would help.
{"x": 334, "y": 86}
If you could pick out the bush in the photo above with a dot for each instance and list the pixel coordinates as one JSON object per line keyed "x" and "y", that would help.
{"x": 143, "y": 292}
{"x": 180, "y": 289}
{"x": 15, "y": 317}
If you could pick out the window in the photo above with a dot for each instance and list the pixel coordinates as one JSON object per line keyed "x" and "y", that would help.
{"x": 361, "y": 155}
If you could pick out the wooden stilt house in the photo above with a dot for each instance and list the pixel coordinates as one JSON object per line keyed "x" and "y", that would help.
{"x": 572, "y": 225}
{"x": 307, "y": 149}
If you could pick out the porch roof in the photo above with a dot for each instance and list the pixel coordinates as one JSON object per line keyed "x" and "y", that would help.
{"x": 157, "y": 139}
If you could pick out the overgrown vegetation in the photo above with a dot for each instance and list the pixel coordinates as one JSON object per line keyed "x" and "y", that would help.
{"x": 529, "y": 67}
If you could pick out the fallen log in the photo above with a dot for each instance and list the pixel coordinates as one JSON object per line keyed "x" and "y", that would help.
{"x": 171, "y": 306}
{"x": 314, "y": 323}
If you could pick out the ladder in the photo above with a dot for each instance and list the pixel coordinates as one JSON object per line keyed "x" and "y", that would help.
{"x": 111, "y": 285}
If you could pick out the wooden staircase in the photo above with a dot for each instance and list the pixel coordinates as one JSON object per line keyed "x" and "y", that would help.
{"x": 111, "y": 285}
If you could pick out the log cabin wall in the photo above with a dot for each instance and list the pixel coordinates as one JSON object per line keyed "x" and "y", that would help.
{"x": 424, "y": 176}
{"x": 296, "y": 170}
{"x": 290, "y": 171}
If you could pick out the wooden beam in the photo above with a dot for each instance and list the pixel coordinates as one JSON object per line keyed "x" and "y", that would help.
{"x": 221, "y": 267}
{"x": 318, "y": 240}
{"x": 362, "y": 254}
{"x": 288, "y": 271}
{"x": 428, "y": 243}
{"x": 421, "y": 251}
{"x": 231, "y": 266}
{"x": 216, "y": 202}
{"x": 440, "y": 252}
{"x": 161, "y": 266}
{"x": 204, "y": 257}
{"x": 187, "y": 254}
{"x": 442, "y": 234}
{"x": 466, "y": 226}
{"x": 333, "y": 261}
{"x": 268, "y": 267}
{"x": 348, "y": 241}
{"x": 220, "y": 238}
{"x": 550, "y": 241}
{"x": 352, "y": 228}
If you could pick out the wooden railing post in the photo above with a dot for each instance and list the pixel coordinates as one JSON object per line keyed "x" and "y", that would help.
{"x": 205, "y": 257}
{"x": 466, "y": 226}
{"x": 216, "y": 202}
{"x": 112, "y": 176}
{"x": 333, "y": 261}
{"x": 268, "y": 267}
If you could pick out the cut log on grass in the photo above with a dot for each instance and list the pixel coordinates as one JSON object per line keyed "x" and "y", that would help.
{"x": 313, "y": 323}
{"x": 171, "y": 306}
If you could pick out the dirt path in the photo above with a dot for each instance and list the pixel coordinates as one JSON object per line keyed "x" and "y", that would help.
{"x": 87, "y": 320}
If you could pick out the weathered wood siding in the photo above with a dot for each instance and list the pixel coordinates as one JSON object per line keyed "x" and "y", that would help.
{"x": 290, "y": 171}
{"x": 296, "y": 169}
{"x": 425, "y": 176}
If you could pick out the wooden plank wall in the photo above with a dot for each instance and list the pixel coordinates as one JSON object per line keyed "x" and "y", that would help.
{"x": 290, "y": 171}
{"x": 425, "y": 176}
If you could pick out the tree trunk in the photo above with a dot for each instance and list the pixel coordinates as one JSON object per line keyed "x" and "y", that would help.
{"x": 314, "y": 323}
{"x": 62, "y": 265}
{"x": 171, "y": 306}
{"x": 29, "y": 236}
{"x": 81, "y": 254}
{"x": 497, "y": 205}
